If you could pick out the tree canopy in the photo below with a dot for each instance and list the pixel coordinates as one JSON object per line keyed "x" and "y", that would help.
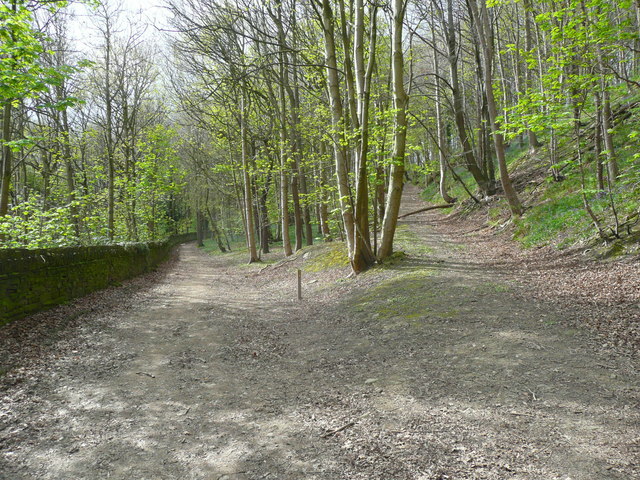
{"x": 287, "y": 122}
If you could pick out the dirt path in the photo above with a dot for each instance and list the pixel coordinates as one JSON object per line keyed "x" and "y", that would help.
{"x": 433, "y": 367}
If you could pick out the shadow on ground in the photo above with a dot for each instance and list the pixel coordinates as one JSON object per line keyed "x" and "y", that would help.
{"x": 428, "y": 368}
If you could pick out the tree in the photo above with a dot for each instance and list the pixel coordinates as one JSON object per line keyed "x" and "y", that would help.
{"x": 400, "y": 100}
{"x": 485, "y": 36}
{"x": 22, "y": 76}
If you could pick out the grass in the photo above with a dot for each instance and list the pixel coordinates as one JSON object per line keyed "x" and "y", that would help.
{"x": 560, "y": 213}
{"x": 327, "y": 256}
{"x": 409, "y": 243}
{"x": 431, "y": 192}
{"x": 211, "y": 246}
{"x": 555, "y": 213}
{"x": 406, "y": 295}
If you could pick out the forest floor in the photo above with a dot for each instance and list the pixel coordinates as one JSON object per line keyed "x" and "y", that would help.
{"x": 462, "y": 360}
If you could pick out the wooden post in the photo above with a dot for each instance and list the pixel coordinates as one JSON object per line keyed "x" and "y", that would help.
{"x": 299, "y": 284}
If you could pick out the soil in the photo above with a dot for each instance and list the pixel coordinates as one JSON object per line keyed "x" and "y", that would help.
{"x": 437, "y": 365}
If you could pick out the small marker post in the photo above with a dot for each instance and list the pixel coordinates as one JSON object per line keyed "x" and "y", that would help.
{"x": 299, "y": 284}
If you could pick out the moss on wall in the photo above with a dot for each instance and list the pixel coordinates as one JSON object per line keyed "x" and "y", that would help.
{"x": 34, "y": 280}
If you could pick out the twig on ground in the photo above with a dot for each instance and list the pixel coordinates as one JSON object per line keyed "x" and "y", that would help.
{"x": 426, "y": 209}
{"x": 519, "y": 414}
{"x": 277, "y": 266}
{"x": 145, "y": 373}
{"x": 338, "y": 430}
{"x": 610, "y": 367}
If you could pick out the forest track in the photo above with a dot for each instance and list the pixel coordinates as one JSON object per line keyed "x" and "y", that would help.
{"x": 432, "y": 367}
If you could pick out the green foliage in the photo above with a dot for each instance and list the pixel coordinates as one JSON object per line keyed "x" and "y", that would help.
{"x": 22, "y": 75}
{"x": 29, "y": 226}
{"x": 580, "y": 48}
{"x": 158, "y": 178}
{"x": 560, "y": 214}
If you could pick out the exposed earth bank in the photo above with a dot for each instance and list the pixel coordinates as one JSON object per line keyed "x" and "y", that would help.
{"x": 435, "y": 366}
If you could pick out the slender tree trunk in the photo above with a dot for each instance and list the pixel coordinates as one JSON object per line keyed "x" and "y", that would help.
{"x": 284, "y": 142}
{"x": 306, "y": 207}
{"x": 381, "y": 177}
{"x": 199, "y": 228}
{"x": 458, "y": 105}
{"x": 215, "y": 231}
{"x": 483, "y": 25}
{"x": 265, "y": 228}
{"x": 6, "y": 157}
{"x": 441, "y": 138}
{"x": 352, "y": 114}
{"x": 534, "y": 143}
{"x": 363, "y": 256}
{"x": 300, "y": 171}
{"x": 109, "y": 134}
{"x": 297, "y": 210}
{"x": 337, "y": 120}
{"x": 636, "y": 42}
{"x": 69, "y": 172}
{"x": 612, "y": 162}
{"x": 248, "y": 201}
{"x": 401, "y": 101}
{"x": 46, "y": 178}
{"x": 284, "y": 192}
{"x": 324, "y": 209}
{"x": 285, "y": 149}
{"x": 597, "y": 134}
{"x": 7, "y": 154}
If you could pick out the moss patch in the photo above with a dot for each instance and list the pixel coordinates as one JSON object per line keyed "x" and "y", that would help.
{"x": 408, "y": 296}
{"x": 410, "y": 243}
{"x": 326, "y": 257}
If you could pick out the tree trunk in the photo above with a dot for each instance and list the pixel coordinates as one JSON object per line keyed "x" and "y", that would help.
{"x": 199, "y": 228}
{"x": 612, "y": 162}
{"x": 215, "y": 231}
{"x": 337, "y": 119}
{"x": 458, "y": 105}
{"x": 297, "y": 210}
{"x": 6, "y": 157}
{"x": 300, "y": 173}
{"x": 69, "y": 173}
{"x": 363, "y": 256}
{"x": 534, "y": 143}
{"x": 109, "y": 134}
{"x": 441, "y": 138}
{"x": 265, "y": 228}
{"x": 597, "y": 134}
{"x": 306, "y": 207}
{"x": 401, "y": 101}
{"x": 284, "y": 140}
{"x": 324, "y": 209}
{"x": 483, "y": 26}
{"x": 248, "y": 201}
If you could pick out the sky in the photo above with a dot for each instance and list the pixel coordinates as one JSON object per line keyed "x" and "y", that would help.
{"x": 149, "y": 12}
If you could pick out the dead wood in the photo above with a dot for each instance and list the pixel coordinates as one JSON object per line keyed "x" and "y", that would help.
{"x": 338, "y": 430}
{"x": 273, "y": 267}
{"x": 426, "y": 209}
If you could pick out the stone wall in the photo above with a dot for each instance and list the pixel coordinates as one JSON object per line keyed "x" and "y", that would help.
{"x": 33, "y": 280}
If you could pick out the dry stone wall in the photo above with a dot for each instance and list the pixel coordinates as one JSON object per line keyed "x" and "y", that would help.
{"x": 34, "y": 280}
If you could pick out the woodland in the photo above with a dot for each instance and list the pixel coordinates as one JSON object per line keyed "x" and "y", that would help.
{"x": 467, "y": 172}
{"x": 282, "y": 123}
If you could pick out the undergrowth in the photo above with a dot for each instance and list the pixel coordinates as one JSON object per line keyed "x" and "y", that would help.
{"x": 555, "y": 211}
